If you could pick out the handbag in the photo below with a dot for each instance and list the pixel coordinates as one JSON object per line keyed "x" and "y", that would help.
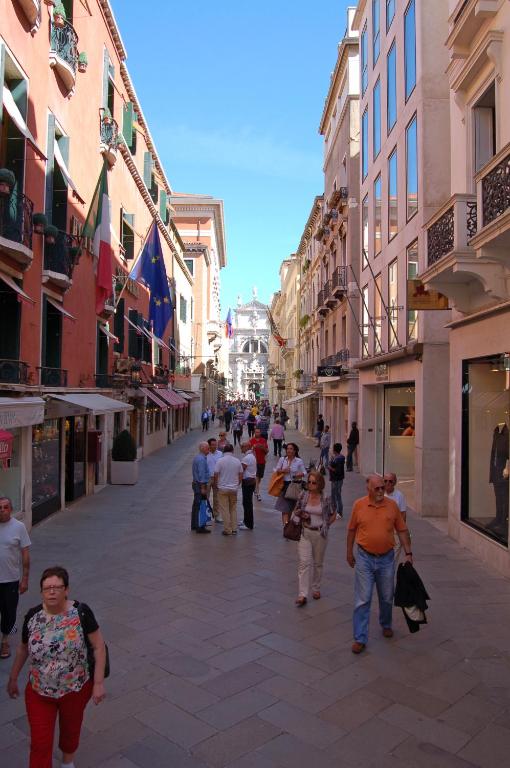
{"x": 293, "y": 491}
{"x": 292, "y": 530}
{"x": 204, "y": 513}
{"x": 276, "y": 484}
{"x": 91, "y": 659}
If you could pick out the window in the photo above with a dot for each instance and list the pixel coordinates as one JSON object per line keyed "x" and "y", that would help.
{"x": 365, "y": 323}
{"x": 378, "y": 315}
{"x": 377, "y": 118}
{"x": 391, "y": 87}
{"x": 392, "y": 195}
{"x": 118, "y": 326}
{"x": 412, "y": 168}
{"x": 364, "y": 60}
{"x": 393, "y": 303}
{"x": 190, "y": 264}
{"x": 127, "y": 234}
{"x": 484, "y": 115}
{"x": 51, "y": 358}
{"x": 364, "y": 144}
{"x": 412, "y": 274}
{"x": 12, "y": 140}
{"x": 364, "y": 230}
{"x": 377, "y": 215}
{"x": 390, "y": 12}
{"x": 376, "y": 30}
{"x": 410, "y": 48}
{"x": 135, "y": 343}
{"x": 182, "y": 309}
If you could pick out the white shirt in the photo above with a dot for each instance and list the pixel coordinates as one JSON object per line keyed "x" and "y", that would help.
{"x": 227, "y": 472}
{"x": 212, "y": 460}
{"x": 249, "y": 463}
{"x": 13, "y": 538}
{"x": 297, "y": 467}
{"x": 399, "y": 499}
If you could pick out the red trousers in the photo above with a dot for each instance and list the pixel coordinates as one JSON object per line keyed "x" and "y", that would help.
{"x": 42, "y": 714}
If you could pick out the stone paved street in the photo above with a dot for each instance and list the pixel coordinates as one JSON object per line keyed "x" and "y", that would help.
{"x": 213, "y": 665}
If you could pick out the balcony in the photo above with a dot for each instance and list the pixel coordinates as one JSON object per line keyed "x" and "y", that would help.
{"x": 52, "y": 377}
{"x": 342, "y": 356}
{"x": 451, "y": 229}
{"x": 322, "y": 298}
{"x": 108, "y": 137}
{"x": 64, "y": 53}
{"x": 161, "y": 378}
{"x": 59, "y": 261}
{"x": 32, "y": 11}
{"x": 117, "y": 381}
{"x": 213, "y": 330}
{"x": 16, "y": 228}
{"x": 304, "y": 383}
{"x": 338, "y": 197}
{"x": 13, "y": 372}
{"x": 493, "y": 194}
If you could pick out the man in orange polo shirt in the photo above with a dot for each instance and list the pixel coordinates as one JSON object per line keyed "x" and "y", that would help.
{"x": 374, "y": 519}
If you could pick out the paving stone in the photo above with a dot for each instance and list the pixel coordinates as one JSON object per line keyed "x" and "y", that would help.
{"x": 237, "y": 657}
{"x": 425, "y": 728}
{"x": 299, "y": 695}
{"x": 451, "y": 685}
{"x": 98, "y": 747}
{"x": 288, "y": 751}
{"x": 372, "y": 739}
{"x": 112, "y": 711}
{"x": 233, "y": 709}
{"x": 157, "y": 752}
{"x": 10, "y": 735}
{"x": 354, "y": 709}
{"x": 420, "y": 754}
{"x": 489, "y": 748}
{"x": 229, "y": 745}
{"x": 175, "y": 724}
{"x": 310, "y": 729}
{"x": 292, "y": 668}
{"x": 240, "y": 636}
{"x": 470, "y": 714}
{"x": 183, "y": 693}
{"x": 229, "y": 683}
{"x": 346, "y": 680}
{"x": 405, "y": 694}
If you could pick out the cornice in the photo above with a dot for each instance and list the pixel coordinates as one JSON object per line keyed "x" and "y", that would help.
{"x": 200, "y": 205}
{"x": 310, "y": 224}
{"x": 113, "y": 28}
{"x": 337, "y": 75}
{"x": 358, "y": 16}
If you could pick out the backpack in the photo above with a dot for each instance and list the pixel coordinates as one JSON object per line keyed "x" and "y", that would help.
{"x": 91, "y": 660}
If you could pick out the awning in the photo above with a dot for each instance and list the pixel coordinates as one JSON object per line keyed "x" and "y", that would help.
{"x": 188, "y": 395}
{"x": 15, "y": 287}
{"x": 94, "y": 403}
{"x": 17, "y": 118}
{"x": 298, "y": 398}
{"x": 108, "y": 333}
{"x": 172, "y": 398}
{"x": 21, "y": 411}
{"x": 148, "y": 393}
{"x": 60, "y": 308}
{"x": 65, "y": 172}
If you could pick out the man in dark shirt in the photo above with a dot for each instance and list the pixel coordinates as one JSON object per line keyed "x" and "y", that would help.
{"x": 319, "y": 430}
{"x": 352, "y": 445}
{"x": 336, "y": 475}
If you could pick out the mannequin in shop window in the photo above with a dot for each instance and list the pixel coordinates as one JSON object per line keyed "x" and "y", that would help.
{"x": 498, "y": 476}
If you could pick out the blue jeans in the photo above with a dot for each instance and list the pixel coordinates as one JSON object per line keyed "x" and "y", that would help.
{"x": 324, "y": 459}
{"x": 336, "y": 496}
{"x": 370, "y": 570}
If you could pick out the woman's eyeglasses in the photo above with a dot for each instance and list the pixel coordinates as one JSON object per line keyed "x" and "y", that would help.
{"x": 54, "y": 589}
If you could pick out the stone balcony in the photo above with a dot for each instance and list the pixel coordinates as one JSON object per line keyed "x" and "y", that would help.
{"x": 16, "y": 229}
{"x": 32, "y": 11}
{"x": 64, "y": 53}
{"x": 108, "y": 137}
{"x": 60, "y": 261}
{"x": 493, "y": 197}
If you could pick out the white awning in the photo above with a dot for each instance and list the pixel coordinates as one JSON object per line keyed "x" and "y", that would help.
{"x": 94, "y": 403}
{"x": 60, "y": 308}
{"x": 17, "y": 118}
{"x": 21, "y": 411}
{"x": 15, "y": 287}
{"x": 108, "y": 333}
{"x": 65, "y": 172}
{"x": 298, "y": 398}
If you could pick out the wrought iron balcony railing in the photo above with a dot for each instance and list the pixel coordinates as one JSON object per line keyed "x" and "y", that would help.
{"x": 108, "y": 136}
{"x": 53, "y": 377}
{"x": 496, "y": 191}
{"x": 115, "y": 381}
{"x": 64, "y": 43}
{"x": 13, "y": 372}
{"x": 451, "y": 228}
{"x": 342, "y": 356}
{"x": 60, "y": 257}
{"x": 16, "y": 219}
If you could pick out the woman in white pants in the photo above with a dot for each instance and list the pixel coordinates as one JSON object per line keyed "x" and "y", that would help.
{"x": 314, "y": 510}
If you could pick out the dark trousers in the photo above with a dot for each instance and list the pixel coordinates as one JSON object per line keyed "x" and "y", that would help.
{"x": 197, "y": 498}
{"x": 248, "y": 488}
{"x": 9, "y": 596}
{"x": 501, "y": 494}
{"x": 205, "y": 424}
{"x": 348, "y": 461}
{"x": 277, "y": 444}
{"x": 251, "y": 429}
{"x": 237, "y": 437}
{"x": 228, "y": 420}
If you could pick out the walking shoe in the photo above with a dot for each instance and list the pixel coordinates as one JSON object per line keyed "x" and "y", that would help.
{"x": 316, "y": 595}
{"x": 243, "y": 527}
{"x": 387, "y": 632}
{"x": 226, "y": 533}
{"x": 234, "y": 533}
{"x": 202, "y": 530}
{"x": 259, "y": 497}
{"x": 218, "y": 519}
{"x": 357, "y": 647}
{"x": 300, "y": 601}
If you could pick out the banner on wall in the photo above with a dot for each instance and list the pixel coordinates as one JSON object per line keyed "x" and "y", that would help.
{"x": 6, "y": 439}
{"x": 419, "y": 297}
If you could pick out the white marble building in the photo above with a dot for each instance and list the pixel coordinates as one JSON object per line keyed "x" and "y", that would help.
{"x": 249, "y": 347}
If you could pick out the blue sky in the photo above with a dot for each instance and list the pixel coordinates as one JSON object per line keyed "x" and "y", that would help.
{"x": 233, "y": 93}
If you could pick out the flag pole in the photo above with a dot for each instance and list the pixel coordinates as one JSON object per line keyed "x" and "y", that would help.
{"x": 126, "y": 277}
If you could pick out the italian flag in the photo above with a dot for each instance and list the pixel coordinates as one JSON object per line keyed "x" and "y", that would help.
{"x": 97, "y": 227}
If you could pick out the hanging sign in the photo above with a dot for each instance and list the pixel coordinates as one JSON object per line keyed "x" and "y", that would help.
{"x": 6, "y": 440}
{"x": 419, "y": 297}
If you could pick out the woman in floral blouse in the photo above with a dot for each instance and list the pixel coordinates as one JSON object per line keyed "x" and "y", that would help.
{"x": 62, "y": 676}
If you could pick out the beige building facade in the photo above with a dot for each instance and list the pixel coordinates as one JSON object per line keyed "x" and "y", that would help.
{"x": 468, "y": 259}
{"x": 404, "y": 169}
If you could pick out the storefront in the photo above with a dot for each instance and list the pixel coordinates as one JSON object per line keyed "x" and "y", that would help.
{"x": 75, "y": 457}
{"x": 307, "y": 407}
{"x": 46, "y": 469}
{"x": 156, "y": 421}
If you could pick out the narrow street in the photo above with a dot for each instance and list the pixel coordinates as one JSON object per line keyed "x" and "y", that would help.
{"x": 213, "y": 665}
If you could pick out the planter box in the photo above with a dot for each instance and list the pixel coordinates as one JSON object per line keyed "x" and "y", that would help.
{"x": 124, "y": 472}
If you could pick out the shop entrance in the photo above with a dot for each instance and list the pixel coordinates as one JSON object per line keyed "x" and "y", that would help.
{"x": 46, "y": 441}
{"x": 399, "y": 430}
{"x": 75, "y": 433}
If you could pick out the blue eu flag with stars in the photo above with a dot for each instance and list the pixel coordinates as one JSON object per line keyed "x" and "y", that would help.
{"x": 150, "y": 271}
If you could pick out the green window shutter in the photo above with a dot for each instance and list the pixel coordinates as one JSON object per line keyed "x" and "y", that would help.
{"x": 63, "y": 145}
{"x": 106, "y": 69}
{"x": 118, "y": 326}
{"x": 147, "y": 169}
{"x": 162, "y": 204}
{"x": 128, "y": 116}
{"x": 49, "y": 166}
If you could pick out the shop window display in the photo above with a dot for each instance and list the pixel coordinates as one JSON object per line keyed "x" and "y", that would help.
{"x": 10, "y": 471}
{"x": 485, "y": 445}
{"x": 46, "y": 466}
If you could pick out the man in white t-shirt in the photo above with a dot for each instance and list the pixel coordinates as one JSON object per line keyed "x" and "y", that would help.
{"x": 249, "y": 464}
{"x": 391, "y": 491}
{"x": 228, "y": 475}
{"x": 14, "y": 562}
{"x": 213, "y": 457}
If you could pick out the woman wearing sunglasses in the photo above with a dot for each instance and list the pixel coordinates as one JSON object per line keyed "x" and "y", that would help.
{"x": 67, "y": 655}
{"x": 314, "y": 510}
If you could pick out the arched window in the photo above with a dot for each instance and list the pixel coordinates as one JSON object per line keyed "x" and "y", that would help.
{"x": 246, "y": 347}
{"x": 263, "y": 348}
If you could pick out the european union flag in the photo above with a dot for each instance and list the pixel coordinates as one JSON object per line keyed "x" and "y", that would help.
{"x": 150, "y": 271}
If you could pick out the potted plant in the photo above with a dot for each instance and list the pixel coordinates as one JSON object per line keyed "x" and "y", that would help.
{"x": 7, "y": 182}
{"x": 74, "y": 253}
{"x": 50, "y": 234}
{"x": 39, "y": 222}
{"x": 124, "y": 465}
{"x": 59, "y": 15}
{"x": 83, "y": 62}
{"x": 106, "y": 116}
{"x": 304, "y": 321}
{"x": 298, "y": 373}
